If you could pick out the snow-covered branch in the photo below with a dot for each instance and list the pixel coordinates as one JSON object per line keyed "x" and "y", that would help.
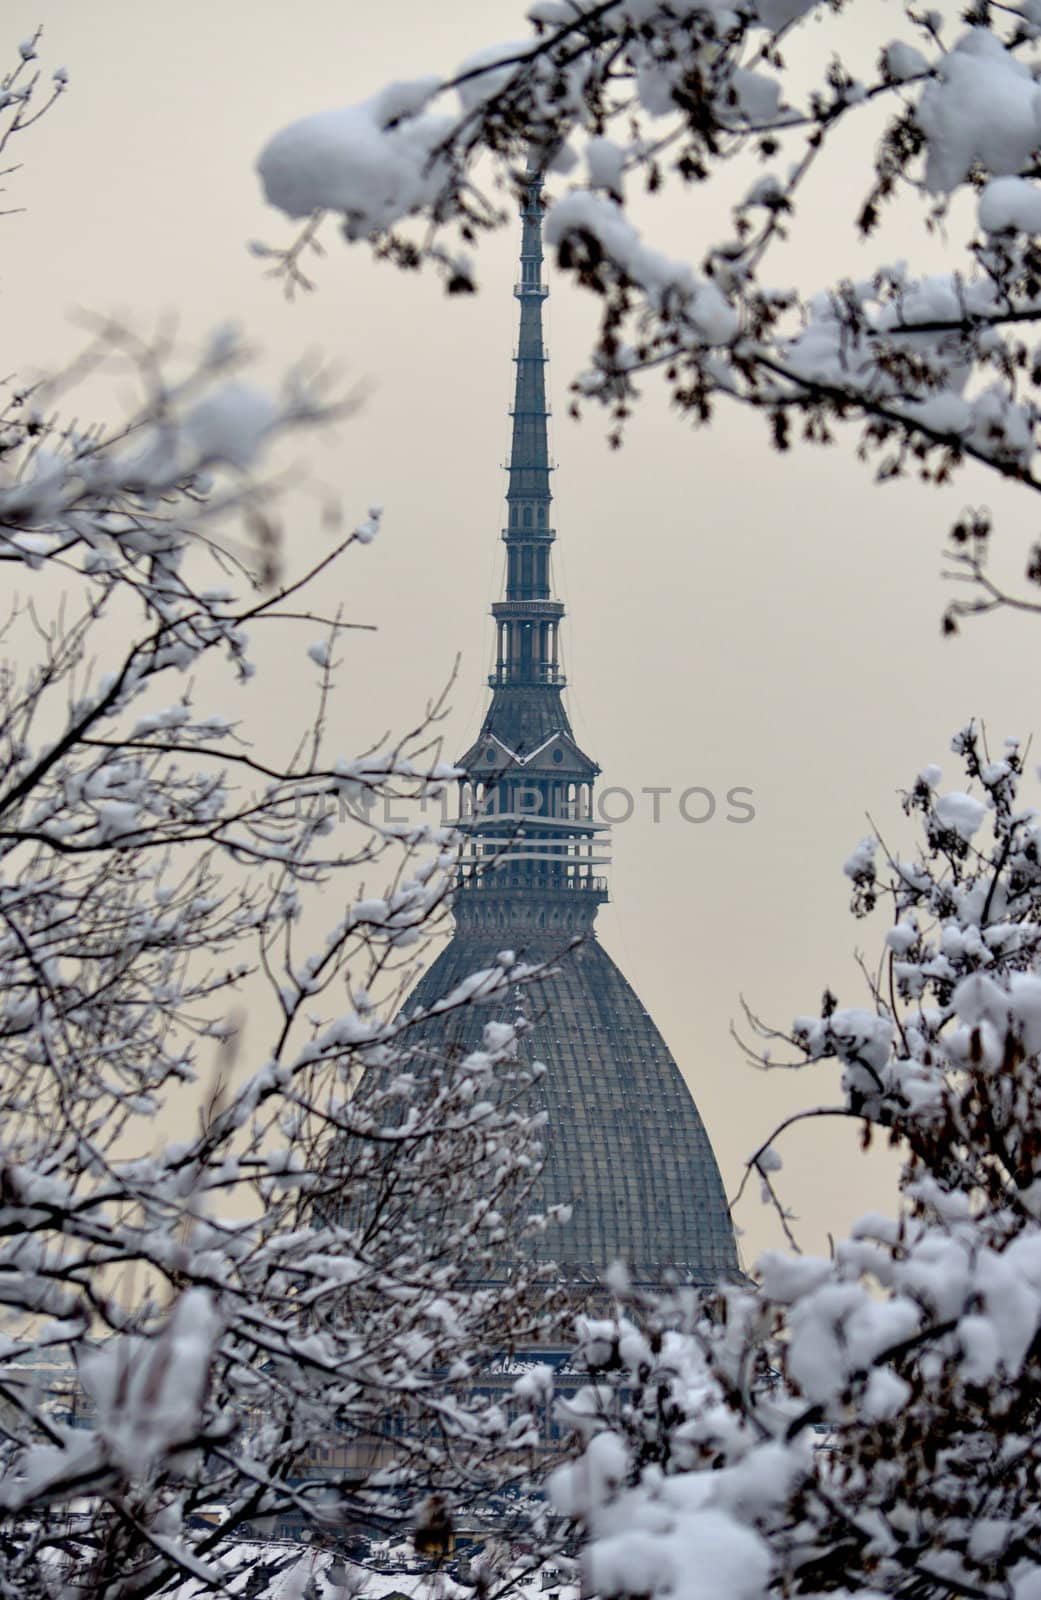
{"x": 932, "y": 370}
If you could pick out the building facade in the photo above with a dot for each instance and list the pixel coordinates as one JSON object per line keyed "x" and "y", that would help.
{"x": 625, "y": 1145}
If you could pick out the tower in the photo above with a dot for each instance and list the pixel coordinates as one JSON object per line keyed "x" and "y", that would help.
{"x": 625, "y": 1145}
{"x": 534, "y": 847}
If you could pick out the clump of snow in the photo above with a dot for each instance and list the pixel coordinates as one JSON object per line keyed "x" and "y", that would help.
{"x": 990, "y": 1009}
{"x": 886, "y": 1395}
{"x": 702, "y": 1555}
{"x": 766, "y": 191}
{"x": 366, "y": 531}
{"x": 963, "y": 814}
{"x": 979, "y": 999}
{"x": 902, "y": 61}
{"x": 862, "y": 860}
{"x": 901, "y": 937}
{"x": 983, "y": 105}
{"x": 758, "y": 96}
{"x": 943, "y": 413}
{"x": 711, "y": 317}
{"x": 1008, "y": 204}
{"x": 148, "y": 1394}
{"x": 851, "y": 1033}
{"x": 1025, "y": 997}
{"x": 230, "y": 424}
{"x": 489, "y": 78}
{"x": 373, "y": 162}
{"x": 606, "y": 162}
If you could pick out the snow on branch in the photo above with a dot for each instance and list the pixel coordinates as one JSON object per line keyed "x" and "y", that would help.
{"x": 610, "y": 99}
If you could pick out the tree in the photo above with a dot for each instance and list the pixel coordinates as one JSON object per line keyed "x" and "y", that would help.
{"x": 191, "y": 1322}
{"x": 743, "y": 98}
{"x": 867, "y": 1423}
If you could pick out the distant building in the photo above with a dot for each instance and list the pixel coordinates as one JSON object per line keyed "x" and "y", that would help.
{"x": 624, "y": 1142}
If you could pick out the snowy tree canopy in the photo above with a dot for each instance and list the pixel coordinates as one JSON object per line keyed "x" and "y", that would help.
{"x": 865, "y": 1424}
{"x": 224, "y": 1317}
{"x": 618, "y": 100}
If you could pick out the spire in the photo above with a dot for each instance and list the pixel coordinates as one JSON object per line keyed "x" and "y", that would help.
{"x": 528, "y": 496}
{"x": 527, "y": 798}
{"x": 528, "y": 620}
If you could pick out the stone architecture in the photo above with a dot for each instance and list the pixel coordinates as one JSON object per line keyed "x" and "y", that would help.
{"x": 625, "y": 1144}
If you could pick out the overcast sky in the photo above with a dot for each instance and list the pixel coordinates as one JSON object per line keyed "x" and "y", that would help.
{"x": 734, "y": 618}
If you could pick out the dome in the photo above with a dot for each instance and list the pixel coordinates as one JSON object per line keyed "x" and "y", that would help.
{"x": 624, "y": 1144}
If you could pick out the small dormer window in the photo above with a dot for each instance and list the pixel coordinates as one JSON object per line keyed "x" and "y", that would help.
{"x": 489, "y": 754}
{"x": 558, "y": 754}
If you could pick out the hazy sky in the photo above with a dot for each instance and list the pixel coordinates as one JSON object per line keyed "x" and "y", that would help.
{"x": 734, "y": 617}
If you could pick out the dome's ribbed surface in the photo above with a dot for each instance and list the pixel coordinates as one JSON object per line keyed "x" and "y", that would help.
{"x": 624, "y": 1143}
